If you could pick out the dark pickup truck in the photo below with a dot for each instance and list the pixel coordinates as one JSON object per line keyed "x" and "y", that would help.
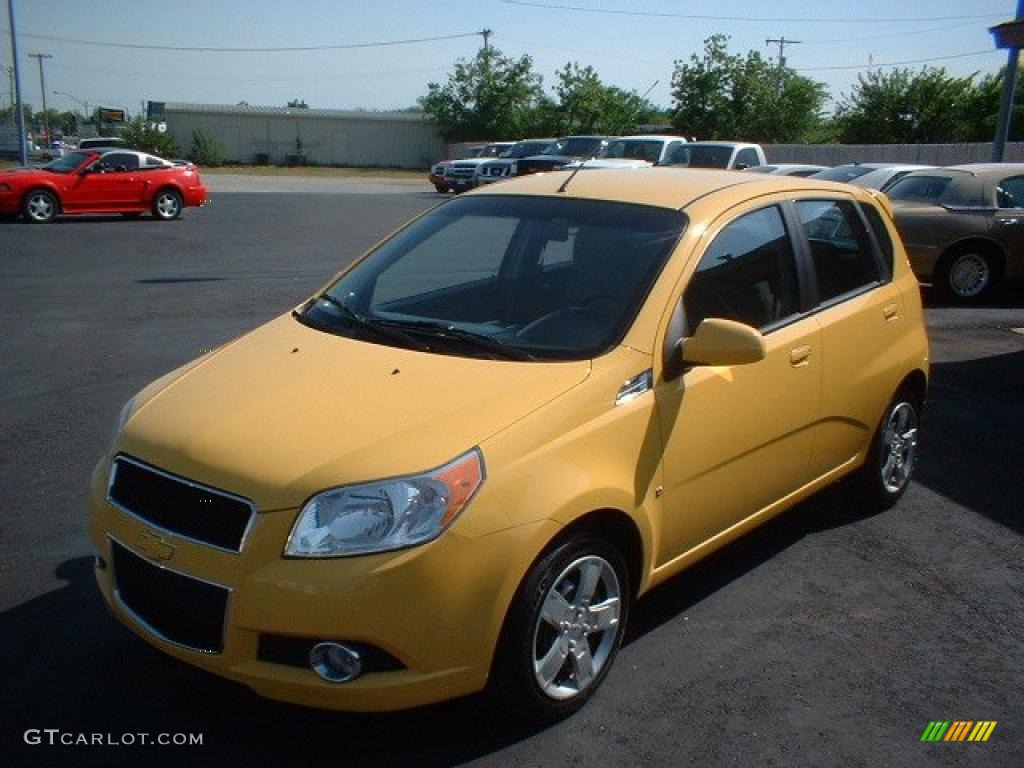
{"x": 568, "y": 149}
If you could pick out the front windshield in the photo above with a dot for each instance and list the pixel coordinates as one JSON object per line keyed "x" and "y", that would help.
{"x": 574, "y": 147}
{"x": 68, "y": 163}
{"x": 493, "y": 150}
{"x": 504, "y": 276}
{"x": 633, "y": 149}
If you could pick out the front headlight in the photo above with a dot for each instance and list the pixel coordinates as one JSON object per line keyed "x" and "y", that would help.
{"x": 387, "y": 514}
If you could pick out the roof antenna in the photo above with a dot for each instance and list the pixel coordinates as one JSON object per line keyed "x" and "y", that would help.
{"x": 572, "y": 175}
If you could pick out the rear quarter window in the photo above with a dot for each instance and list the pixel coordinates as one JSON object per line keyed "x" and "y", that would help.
{"x": 921, "y": 189}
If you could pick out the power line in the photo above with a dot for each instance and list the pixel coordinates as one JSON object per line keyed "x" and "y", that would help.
{"x": 897, "y": 63}
{"x": 215, "y": 49}
{"x": 709, "y": 17}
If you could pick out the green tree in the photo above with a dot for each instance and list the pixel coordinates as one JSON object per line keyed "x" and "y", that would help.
{"x": 206, "y": 150}
{"x": 904, "y": 107}
{"x": 490, "y": 96}
{"x": 721, "y": 95}
{"x": 140, "y": 134}
{"x": 587, "y": 105}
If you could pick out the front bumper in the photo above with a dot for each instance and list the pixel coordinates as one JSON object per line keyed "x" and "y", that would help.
{"x": 437, "y": 609}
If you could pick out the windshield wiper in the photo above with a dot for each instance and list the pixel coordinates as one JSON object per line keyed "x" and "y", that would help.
{"x": 452, "y": 333}
{"x": 381, "y": 329}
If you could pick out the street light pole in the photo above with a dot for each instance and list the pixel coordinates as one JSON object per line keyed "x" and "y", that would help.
{"x": 22, "y": 149}
{"x": 42, "y": 88}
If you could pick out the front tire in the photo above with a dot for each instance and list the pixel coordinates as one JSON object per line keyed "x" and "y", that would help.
{"x": 167, "y": 205}
{"x": 563, "y": 631}
{"x": 40, "y": 206}
{"x": 892, "y": 459}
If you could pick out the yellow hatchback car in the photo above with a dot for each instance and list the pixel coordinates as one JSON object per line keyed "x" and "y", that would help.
{"x": 458, "y": 465}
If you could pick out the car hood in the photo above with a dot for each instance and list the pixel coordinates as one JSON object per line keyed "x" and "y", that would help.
{"x": 287, "y": 411}
{"x": 20, "y": 174}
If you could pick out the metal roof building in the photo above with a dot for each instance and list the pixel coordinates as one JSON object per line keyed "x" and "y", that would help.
{"x": 318, "y": 136}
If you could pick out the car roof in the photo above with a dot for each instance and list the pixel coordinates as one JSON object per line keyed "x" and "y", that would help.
{"x": 666, "y": 186}
{"x": 999, "y": 169}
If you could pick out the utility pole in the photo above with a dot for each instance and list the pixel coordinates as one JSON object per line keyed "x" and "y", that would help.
{"x": 782, "y": 42}
{"x": 486, "y": 34}
{"x": 22, "y": 149}
{"x": 42, "y": 86}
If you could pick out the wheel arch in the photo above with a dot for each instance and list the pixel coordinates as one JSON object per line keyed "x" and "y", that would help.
{"x": 915, "y": 384}
{"x": 44, "y": 188}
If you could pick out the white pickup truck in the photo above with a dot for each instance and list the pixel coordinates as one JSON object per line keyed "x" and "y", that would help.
{"x": 733, "y": 155}
{"x": 635, "y": 152}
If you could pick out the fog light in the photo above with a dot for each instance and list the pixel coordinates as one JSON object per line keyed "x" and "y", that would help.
{"x": 335, "y": 663}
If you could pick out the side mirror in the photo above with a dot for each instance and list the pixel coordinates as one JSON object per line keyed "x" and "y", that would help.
{"x": 741, "y": 166}
{"x": 722, "y": 342}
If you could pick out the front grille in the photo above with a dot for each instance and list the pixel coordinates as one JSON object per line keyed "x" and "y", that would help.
{"x": 460, "y": 172}
{"x": 179, "y": 506}
{"x": 172, "y": 606}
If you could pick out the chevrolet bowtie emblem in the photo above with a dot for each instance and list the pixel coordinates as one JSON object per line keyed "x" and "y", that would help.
{"x": 155, "y": 546}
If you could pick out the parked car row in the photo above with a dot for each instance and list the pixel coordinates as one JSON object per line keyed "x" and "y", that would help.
{"x": 503, "y": 160}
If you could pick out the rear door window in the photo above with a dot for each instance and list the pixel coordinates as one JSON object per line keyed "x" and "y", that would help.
{"x": 842, "y": 254}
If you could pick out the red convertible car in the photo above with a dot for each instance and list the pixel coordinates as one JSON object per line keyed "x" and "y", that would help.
{"x": 115, "y": 181}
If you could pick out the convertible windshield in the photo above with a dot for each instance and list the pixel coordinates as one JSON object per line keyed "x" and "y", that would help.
{"x": 68, "y": 163}
{"x": 506, "y": 277}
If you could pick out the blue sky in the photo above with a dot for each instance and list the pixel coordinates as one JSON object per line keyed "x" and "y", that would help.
{"x": 631, "y": 44}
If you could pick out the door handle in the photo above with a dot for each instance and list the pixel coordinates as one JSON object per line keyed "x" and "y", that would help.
{"x": 1008, "y": 222}
{"x": 799, "y": 357}
{"x": 891, "y": 312}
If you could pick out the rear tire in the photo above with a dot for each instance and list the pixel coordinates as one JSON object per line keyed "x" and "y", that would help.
{"x": 40, "y": 206}
{"x": 892, "y": 458}
{"x": 167, "y": 205}
{"x": 563, "y": 631}
{"x": 966, "y": 274}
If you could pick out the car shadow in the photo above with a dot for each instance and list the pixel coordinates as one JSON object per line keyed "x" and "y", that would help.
{"x": 1003, "y": 296}
{"x": 972, "y": 447}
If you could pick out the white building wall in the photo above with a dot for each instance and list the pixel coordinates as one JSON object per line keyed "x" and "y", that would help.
{"x": 321, "y": 137}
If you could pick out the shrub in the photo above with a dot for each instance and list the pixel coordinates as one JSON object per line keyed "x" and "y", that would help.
{"x": 206, "y": 150}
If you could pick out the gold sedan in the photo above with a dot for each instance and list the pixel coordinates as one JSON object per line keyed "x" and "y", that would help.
{"x": 459, "y": 463}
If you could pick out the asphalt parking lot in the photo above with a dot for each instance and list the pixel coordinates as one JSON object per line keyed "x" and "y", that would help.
{"x": 826, "y": 638}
